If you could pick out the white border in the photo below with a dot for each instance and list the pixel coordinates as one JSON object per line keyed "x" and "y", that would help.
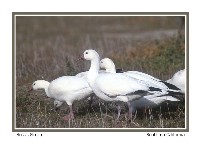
{"x": 9, "y": 6}
{"x": 90, "y": 129}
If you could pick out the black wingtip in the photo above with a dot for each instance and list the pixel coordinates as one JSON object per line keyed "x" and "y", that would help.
{"x": 154, "y": 89}
{"x": 177, "y": 95}
{"x": 170, "y": 86}
{"x": 119, "y": 71}
{"x": 141, "y": 92}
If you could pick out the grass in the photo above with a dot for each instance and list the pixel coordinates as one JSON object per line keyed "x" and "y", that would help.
{"x": 38, "y": 112}
{"x": 48, "y": 47}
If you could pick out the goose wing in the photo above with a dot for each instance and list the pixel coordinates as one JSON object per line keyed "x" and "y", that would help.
{"x": 114, "y": 85}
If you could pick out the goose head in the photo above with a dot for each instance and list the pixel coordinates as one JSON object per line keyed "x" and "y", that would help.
{"x": 91, "y": 55}
{"x": 57, "y": 104}
{"x": 39, "y": 84}
{"x": 108, "y": 65}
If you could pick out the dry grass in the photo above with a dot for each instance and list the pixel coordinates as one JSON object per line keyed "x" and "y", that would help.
{"x": 36, "y": 111}
{"x": 48, "y": 47}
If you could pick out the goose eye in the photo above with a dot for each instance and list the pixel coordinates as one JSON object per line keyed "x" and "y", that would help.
{"x": 33, "y": 83}
{"x": 86, "y": 52}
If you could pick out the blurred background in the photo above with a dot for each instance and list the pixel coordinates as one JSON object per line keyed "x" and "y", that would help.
{"x": 48, "y": 47}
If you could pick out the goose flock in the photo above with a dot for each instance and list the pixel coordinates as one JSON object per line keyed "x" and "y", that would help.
{"x": 136, "y": 89}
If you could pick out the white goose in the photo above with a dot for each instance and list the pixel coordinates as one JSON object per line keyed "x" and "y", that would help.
{"x": 112, "y": 86}
{"x": 178, "y": 80}
{"x": 64, "y": 89}
{"x": 83, "y": 75}
{"x": 145, "y": 101}
{"x": 109, "y": 65}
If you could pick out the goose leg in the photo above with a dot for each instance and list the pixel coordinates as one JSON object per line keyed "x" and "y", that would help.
{"x": 130, "y": 111}
{"x": 71, "y": 114}
{"x": 118, "y": 111}
{"x": 90, "y": 102}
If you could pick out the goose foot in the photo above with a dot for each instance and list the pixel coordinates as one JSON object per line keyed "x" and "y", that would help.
{"x": 68, "y": 117}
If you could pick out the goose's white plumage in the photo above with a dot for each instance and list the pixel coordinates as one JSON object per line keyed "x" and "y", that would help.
{"x": 178, "y": 80}
{"x": 65, "y": 89}
{"x": 83, "y": 75}
{"x": 109, "y": 65}
{"x": 118, "y": 87}
{"x": 112, "y": 86}
{"x": 150, "y": 80}
{"x": 146, "y": 101}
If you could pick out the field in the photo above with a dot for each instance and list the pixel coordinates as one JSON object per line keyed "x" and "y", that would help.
{"x": 49, "y": 47}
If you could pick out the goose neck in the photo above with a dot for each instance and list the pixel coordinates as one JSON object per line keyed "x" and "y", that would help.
{"x": 94, "y": 68}
{"x": 45, "y": 87}
{"x": 93, "y": 71}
